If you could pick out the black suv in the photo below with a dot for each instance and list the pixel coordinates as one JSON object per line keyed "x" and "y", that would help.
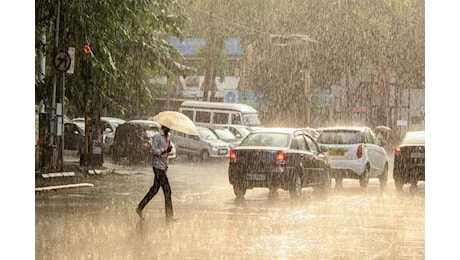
{"x": 132, "y": 140}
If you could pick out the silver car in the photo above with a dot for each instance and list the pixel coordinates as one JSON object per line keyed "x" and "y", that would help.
{"x": 356, "y": 153}
{"x": 205, "y": 146}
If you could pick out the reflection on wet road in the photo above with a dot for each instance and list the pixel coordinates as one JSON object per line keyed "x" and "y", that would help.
{"x": 100, "y": 223}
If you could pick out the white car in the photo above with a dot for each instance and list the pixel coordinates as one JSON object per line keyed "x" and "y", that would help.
{"x": 205, "y": 146}
{"x": 356, "y": 153}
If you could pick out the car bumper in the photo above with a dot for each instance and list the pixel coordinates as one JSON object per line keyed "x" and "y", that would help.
{"x": 347, "y": 167}
{"x": 278, "y": 176}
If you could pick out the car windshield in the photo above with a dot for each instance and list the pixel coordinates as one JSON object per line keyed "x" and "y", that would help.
{"x": 266, "y": 139}
{"x": 251, "y": 119}
{"x": 81, "y": 125}
{"x": 244, "y": 131}
{"x": 340, "y": 137}
{"x": 224, "y": 134}
{"x": 207, "y": 134}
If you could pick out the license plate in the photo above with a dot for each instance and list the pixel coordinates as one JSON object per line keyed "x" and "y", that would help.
{"x": 255, "y": 177}
{"x": 336, "y": 152}
{"x": 417, "y": 155}
{"x": 222, "y": 151}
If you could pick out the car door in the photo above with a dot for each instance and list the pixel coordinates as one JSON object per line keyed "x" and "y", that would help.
{"x": 377, "y": 156}
{"x": 319, "y": 160}
{"x": 303, "y": 155}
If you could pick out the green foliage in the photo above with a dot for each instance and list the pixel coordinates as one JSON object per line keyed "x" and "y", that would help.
{"x": 129, "y": 44}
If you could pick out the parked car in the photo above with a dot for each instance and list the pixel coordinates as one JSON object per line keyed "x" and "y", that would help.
{"x": 226, "y": 135}
{"x": 279, "y": 158}
{"x": 110, "y": 127}
{"x": 409, "y": 160}
{"x": 205, "y": 146}
{"x": 240, "y": 131}
{"x": 74, "y": 136}
{"x": 133, "y": 140}
{"x": 355, "y": 152}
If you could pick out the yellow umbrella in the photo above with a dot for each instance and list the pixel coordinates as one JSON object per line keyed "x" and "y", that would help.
{"x": 176, "y": 121}
{"x": 383, "y": 127}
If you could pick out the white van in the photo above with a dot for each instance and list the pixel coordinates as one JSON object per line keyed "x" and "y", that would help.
{"x": 218, "y": 113}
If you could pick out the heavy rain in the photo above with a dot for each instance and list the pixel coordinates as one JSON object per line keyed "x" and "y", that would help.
{"x": 305, "y": 64}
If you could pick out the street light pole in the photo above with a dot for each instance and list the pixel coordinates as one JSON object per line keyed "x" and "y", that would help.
{"x": 284, "y": 40}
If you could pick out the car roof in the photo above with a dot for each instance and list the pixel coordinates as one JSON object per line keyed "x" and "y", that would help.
{"x": 355, "y": 128}
{"x": 114, "y": 119}
{"x": 276, "y": 130}
{"x": 146, "y": 122}
{"x": 414, "y": 137}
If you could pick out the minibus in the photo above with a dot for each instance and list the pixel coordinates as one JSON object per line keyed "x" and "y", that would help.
{"x": 218, "y": 113}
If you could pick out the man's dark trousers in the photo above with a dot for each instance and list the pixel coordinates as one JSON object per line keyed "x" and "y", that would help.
{"x": 161, "y": 180}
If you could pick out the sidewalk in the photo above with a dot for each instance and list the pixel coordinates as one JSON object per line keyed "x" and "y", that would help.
{"x": 72, "y": 175}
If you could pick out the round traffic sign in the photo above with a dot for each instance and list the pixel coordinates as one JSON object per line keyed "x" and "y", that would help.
{"x": 62, "y": 61}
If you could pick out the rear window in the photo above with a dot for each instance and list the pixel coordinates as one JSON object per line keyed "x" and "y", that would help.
{"x": 266, "y": 139}
{"x": 414, "y": 138}
{"x": 340, "y": 137}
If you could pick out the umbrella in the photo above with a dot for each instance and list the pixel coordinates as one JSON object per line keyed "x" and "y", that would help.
{"x": 176, "y": 121}
{"x": 383, "y": 127}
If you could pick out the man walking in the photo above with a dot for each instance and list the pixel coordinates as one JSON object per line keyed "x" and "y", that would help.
{"x": 161, "y": 147}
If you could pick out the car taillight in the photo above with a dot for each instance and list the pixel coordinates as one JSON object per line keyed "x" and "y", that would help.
{"x": 397, "y": 151}
{"x": 280, "y": 159}
{"x": 359, "y": 152}
{"x": 232, "y": 156}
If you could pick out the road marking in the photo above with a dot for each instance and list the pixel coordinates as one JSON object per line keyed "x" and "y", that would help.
{"x": 56, "y": 187}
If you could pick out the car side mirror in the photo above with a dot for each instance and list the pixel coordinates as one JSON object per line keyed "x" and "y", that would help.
{"x": 324, "y": 149}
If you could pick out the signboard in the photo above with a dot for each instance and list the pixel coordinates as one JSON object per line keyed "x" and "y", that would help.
{"x": 401, "y": 123}
{"x": 62, "y": 61}
{"x": 71, "y": 52}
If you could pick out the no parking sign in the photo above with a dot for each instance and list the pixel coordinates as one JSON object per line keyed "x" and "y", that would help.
{"x": 62, "y": 61}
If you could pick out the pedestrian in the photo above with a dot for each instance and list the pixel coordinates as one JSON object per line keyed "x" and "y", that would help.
{"x": 161, "y": 147}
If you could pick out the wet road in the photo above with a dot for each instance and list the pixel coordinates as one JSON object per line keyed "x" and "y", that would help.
{"x": 100, "y": 223}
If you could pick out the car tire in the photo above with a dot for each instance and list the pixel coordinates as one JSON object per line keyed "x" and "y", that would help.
{"x": 413, "y": 183}
{"x": 325, "y": 185}
{"x": 295, "y": 188}
{"x": 383, "y": 178}
{"x": 205, "y": 155}
{"x": 364, "y": 178}
{"x": 239, "y": 191}
{"x": 114, "y": 155}
{"x": 399, "y": 183}
{"x": 338, "y": 183}
{"x": 273, "y": 194}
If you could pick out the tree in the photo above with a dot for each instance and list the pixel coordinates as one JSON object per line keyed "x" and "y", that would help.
{"x": 129, "y": 44}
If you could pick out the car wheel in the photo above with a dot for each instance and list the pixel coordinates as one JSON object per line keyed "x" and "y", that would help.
{"x": 413, "y": 183}
{"x": 239, "y": 191}
{"x": 399, "y": 183}
{"x": 205, "y": 155}
{"x": 364, "y": 178}
{"x": 273, "y": 194}
{"x": 383, "y": 178}
{"x": 295, "y": 189}
{"x": 325, "y": 185}
{"x": 114, "y": 155}
{"x": 338, "y": 182}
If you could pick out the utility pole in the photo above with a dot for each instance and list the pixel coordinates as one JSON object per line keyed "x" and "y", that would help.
{"x": 285, "y": 40}
{"x": 53, "y": 123}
